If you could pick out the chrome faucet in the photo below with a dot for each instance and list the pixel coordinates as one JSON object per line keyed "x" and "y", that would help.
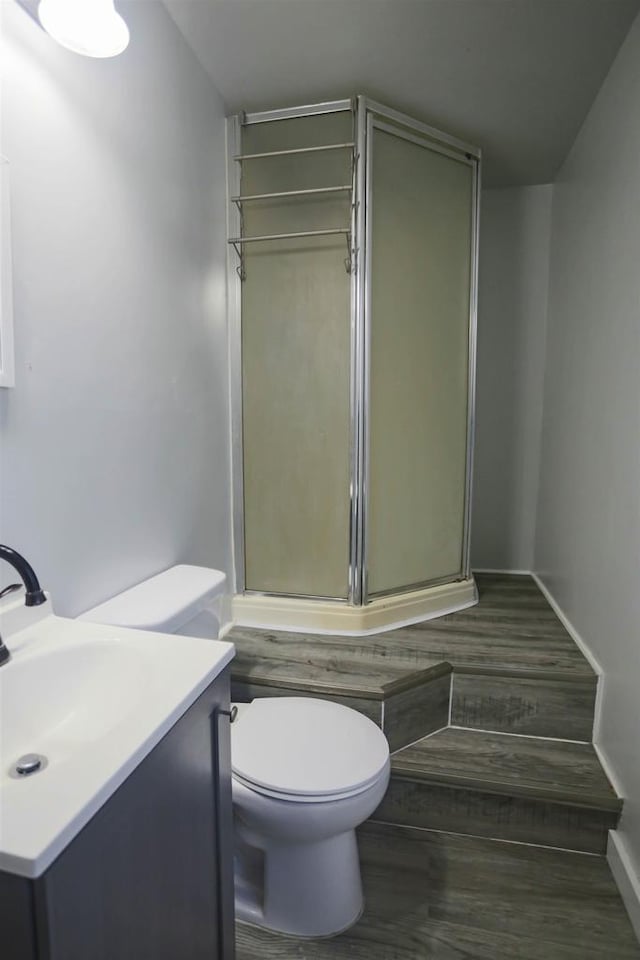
{"x": 34, "y": 595}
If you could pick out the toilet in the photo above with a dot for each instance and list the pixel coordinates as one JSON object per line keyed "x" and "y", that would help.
{"x": 305, "y": 773}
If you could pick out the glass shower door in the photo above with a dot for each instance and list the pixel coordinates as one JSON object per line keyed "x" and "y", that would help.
{"x": 420, "y": 236}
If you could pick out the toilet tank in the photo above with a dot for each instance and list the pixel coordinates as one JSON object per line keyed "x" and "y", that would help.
{"x": 186, "y": 600}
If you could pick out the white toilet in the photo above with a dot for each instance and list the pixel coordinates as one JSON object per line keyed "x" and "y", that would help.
{"x": 306, "y": 773}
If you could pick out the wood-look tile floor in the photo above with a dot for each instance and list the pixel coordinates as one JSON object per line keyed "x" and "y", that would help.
{"x": 512, "y": 630}
{"x": 521, "y": 766}
{"x": 434, "y": 896}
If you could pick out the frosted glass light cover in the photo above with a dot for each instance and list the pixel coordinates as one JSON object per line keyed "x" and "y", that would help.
{"x": 89, "y": 27}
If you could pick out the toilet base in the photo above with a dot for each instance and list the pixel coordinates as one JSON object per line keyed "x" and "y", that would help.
{"x": 305, "y": 890}
{"x": 300, "y": 936}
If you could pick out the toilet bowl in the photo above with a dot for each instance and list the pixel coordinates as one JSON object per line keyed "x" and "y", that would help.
{"x": 306, "y": 773}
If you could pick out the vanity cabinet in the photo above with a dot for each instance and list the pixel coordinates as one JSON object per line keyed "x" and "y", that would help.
{"x": 150, "y": 877}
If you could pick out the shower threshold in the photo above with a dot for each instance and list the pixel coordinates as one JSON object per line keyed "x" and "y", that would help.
{"x": 335, "y": 617}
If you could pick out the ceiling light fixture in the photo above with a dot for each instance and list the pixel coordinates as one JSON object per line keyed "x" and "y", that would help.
{"x": 90, "y": 27}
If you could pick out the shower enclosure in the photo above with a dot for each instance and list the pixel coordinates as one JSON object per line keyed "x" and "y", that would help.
{"x": 353, "y": 237}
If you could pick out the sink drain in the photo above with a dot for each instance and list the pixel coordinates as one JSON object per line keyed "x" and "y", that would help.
{"x": 29, "y": 764}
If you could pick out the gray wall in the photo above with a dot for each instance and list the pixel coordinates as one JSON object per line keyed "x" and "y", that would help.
{"x": 514, "y": 259}
{"x": 114, "y": 440}
{"x": 588, "y": 544}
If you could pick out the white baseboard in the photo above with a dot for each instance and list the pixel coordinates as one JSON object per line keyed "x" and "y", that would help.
{"x": 611, "y": 774}
{"x": 520, "y": 573}
{"x": 585, "y": 650}
{"x": 624, "y": 873}
{"x": 569, "y": 627}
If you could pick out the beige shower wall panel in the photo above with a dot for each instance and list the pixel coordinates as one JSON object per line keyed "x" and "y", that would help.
{"x": 296, "y": 367}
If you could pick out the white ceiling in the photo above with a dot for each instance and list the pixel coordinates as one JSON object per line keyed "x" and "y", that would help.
{"x": 515, "y": 77}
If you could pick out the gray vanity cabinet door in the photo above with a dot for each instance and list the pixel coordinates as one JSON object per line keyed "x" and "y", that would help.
{"x": 17, "y": 930}
{"x": 147, "y": 879}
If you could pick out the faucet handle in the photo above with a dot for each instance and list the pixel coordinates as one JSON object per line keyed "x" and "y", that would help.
{"x": 10, "y": 589}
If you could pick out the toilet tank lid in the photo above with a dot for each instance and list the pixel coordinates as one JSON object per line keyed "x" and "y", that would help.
{"x": 164, "y": 602}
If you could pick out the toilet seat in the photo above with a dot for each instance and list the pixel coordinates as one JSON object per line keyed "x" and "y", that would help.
{"x": 306, "y": 750}
{"x": 299, "y": 797}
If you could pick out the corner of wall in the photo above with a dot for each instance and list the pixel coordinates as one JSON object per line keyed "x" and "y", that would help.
{"x": 586, "y": 534}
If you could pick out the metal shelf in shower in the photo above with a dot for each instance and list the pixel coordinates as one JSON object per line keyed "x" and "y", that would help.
{"x": 286, "y": 153}
{"x": 346, "y": 187}
{"x": 238, "y": 242}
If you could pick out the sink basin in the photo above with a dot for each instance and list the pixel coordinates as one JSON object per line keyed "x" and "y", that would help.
{"x": 94, "y": 700}
{"x": 53, "y": 701}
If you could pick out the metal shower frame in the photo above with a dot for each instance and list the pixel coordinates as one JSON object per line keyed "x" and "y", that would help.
{"x": 367, "y": 115}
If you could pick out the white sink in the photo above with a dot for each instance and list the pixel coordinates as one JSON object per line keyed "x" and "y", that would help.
{"x": 54, "y": 701}
{"x": 93, "y": 700}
